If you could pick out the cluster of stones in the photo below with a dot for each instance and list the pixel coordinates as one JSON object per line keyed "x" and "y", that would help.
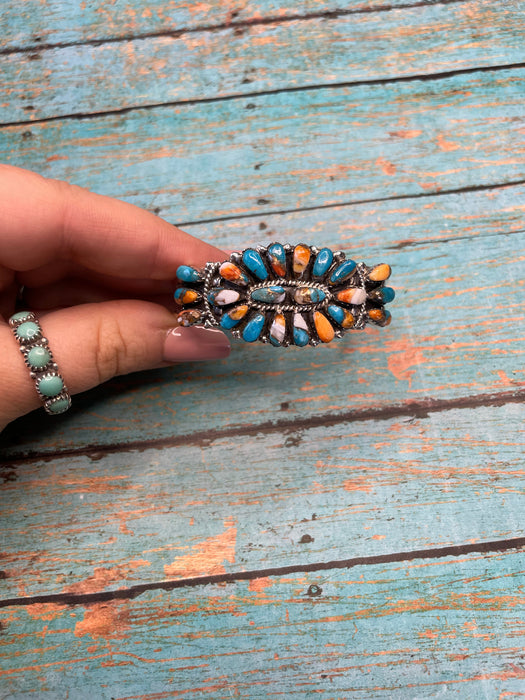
{"x": 37, "y": 355}
{"x": 285, "y": 295}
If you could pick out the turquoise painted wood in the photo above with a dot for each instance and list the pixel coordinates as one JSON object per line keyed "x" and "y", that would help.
{"x": 72, "y": 21}
{"x": 255, "y": 502}
{"x": 91, "y": 78}
{"x": 288, "y": 151}
{"x": 430, "y": 628}
{"x": 282, "y": 475}
{"x": 452, "y": 255}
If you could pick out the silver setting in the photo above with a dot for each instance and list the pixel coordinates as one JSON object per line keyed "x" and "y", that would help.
{"x": 50, "y": 369}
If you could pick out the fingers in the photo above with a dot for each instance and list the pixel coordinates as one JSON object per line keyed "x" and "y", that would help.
{"x": 72, "y": 291}
{"x": 93, "y": 342}
{"x": 46, "y": 222}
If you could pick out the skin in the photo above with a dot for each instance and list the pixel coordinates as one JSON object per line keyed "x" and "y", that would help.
{"x": 97, "y": 272}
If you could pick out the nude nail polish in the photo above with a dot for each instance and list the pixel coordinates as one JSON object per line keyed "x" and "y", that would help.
{"x": 195, "y": 344}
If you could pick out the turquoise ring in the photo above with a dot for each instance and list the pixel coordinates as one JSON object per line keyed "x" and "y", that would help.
{"x": 285, "y": 295}
{"x": 49, "y": 383}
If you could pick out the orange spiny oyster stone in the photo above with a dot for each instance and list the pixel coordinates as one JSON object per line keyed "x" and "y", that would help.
{"x": 349, "y": 320}
{"x": 352, "y": 295}
{"x": 188, "y": 296}
{"x": 238, "y": 312}
{"x": 229, "y": 271}
{"x": 301, "y": 258}
{"x": 380, "y": 316}
{"x": 232, "y": 318}
{"x": 324, "y": 328}
{"x": 380, "y": 273}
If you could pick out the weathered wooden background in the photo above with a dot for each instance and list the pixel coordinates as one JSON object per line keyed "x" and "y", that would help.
{"x": 338, "y": 522}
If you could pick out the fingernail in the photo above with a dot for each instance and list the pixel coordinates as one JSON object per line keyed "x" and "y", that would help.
{"x": 194, "y": 344}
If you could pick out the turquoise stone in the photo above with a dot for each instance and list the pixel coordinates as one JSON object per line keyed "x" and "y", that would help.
{"x": 228, "y": 322}
{"x": 50, "y": 385}
{"x": 277, "y": 257}
{"x": 252, "y": 330}
{"x": 19, "y": 315}
{"x": 38, "y": 357}
{"x": 28, "y": 330}
{"x": 337, "y": 313}
{"x": 185, "y": 273}
{"x": 269, "y": 295}
{"x": 300, "y": 337}
{"x": 58, "y": 406}
{"x": 387, "y": 295}
{"x": 322, "y": 262}
{"x": 342, "y": 272}
{"x": 254, "y": 263}
{"x": 309, "y": 295}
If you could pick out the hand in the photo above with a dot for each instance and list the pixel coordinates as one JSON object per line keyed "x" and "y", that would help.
{"x": 99, "y": 275}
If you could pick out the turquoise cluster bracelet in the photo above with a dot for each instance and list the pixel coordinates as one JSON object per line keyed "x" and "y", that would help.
{"x": 285, "y": 295}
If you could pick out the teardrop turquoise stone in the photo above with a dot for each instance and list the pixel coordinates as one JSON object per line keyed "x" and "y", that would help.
{"x": 342, "y": 272}
{"x": 322, "y": 262}
{"x": 252, "y": 330}
{"x": 269, "y": 295}
{"x": 277, "y": 257}
{"x": 387, "y": 295}
{"x": 254, "y": 263}
{"x": 185, "y": 273}
{"x": 336, "y": 312}
{"x": 300, "y": 337}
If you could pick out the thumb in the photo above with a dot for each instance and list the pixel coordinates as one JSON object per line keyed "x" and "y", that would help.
{"x": 93, "y": 342}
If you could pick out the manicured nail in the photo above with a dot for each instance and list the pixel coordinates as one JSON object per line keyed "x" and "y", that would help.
{"x": 194, "y": 344}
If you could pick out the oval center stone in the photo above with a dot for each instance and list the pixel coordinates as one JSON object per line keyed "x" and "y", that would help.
{"x": 269, "y": 295}
{"x": 308, "y": 295}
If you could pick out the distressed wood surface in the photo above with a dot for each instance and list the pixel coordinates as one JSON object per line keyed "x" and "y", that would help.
{"x": 283, "y": 524}
{"x": 287, "y": 151}
{"x": 37, "y": 23}
{"x": 449, "y": 340}
{"x": 81, "y": 524}
{"x": 203, "y": 65}
{"x": 425, "y": 628}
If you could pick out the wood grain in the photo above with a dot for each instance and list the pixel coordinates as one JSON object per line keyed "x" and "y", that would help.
{"x": 72, "y": 21}
{"x": 91, "y": 79}
{"x": 82, "y": 525}
{"x": 420, "y": 629}
{"x": 288, "y": 151}
{"x": 457, "y": 332}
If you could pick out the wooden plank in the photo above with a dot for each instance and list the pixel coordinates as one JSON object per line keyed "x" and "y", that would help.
{"x": 83, "y": 525}
{"x": 72, "y": 21}
{"x": 427, "y": 628}
{"x": 90, "y": 79}
{"x": 457, "y": 331}
{"x": 288, "y": 151}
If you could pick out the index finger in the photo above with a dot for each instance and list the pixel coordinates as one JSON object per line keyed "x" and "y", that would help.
{"x": 44, "y": 220}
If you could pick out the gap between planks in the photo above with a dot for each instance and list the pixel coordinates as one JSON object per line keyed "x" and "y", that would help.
{"x": 421, "y": 77}
{"x": 259, "y": 21}
{"x": 516, "y": 543}
{"x": 412, "y": 409}
{"x": 357, "y": 202}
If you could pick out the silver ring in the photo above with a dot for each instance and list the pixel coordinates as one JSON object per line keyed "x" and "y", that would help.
{"x": 35, "y": 349}
{"x": 285, "y": 295}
